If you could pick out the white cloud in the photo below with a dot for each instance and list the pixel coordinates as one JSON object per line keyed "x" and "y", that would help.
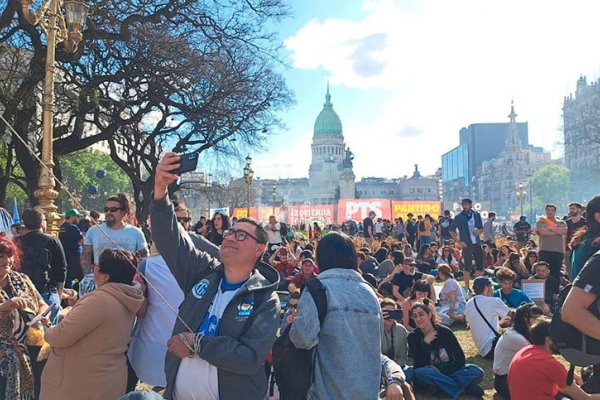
{"x": 446, "y": 64}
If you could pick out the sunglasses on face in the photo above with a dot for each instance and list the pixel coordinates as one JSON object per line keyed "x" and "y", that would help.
{"x": 239, "y": 234}
{"x": 293, "y": 305}
{"x": 183, "y": 219}
{"x": 112, "y": 209}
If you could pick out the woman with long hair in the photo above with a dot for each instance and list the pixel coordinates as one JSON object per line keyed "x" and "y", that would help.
{"x": 421, "y": 293}
{"x": 218, "y": 224}
{"x": 20, "y": 302}
{"x": 452, "y": 299}
{"x": 439, "y": 361}
{"x": 503, "y": 254}
{"x": 447, "y": 258}
{"x": 511, "y": 342}
{"x": 586, "y": 240}
{"x": 531, "y": 257}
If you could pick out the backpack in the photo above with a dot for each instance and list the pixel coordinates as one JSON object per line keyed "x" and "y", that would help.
{"x": 293, "y": 367}
{"x": 35, "y": 263}
{"x": 422, "y": 226}
{"x": 574, "y": 346}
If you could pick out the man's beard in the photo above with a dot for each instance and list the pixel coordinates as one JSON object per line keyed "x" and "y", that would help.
{"x": 110, "y": 222}
{"x": 573, "y": 213}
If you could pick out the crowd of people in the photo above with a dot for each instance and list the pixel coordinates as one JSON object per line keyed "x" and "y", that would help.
{"x": 193, "y": 310}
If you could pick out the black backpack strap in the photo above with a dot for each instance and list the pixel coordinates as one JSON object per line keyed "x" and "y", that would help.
{"x": 571, "y": 375}
{"x": 484, "y": 318}
{"x": 317, "y": 291}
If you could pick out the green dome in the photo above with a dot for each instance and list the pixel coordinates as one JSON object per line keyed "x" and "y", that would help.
{"x": 328, "y": 122}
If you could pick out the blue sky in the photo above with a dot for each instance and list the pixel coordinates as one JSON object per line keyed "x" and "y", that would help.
{"x": 407, "y": 75}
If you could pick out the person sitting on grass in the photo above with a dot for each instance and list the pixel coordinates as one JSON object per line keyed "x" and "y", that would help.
{"x": 421, "y": 293}
{"x": 439, "y": 361}
{"x": 485, "y": 315}
{"x": 551, "y": 285}
{"x": 394, "y": 336}
{"x": 515, "y": 264}
{"x": 512, "y": 341}
{"x": 507, "y": 293}
{"x": 452, "y": 299}
{"x": 535, "y": 374}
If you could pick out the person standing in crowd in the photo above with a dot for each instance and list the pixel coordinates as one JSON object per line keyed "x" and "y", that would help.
{"x": 552, "y": 231}
{"x": 400, "y": 229}
{"x": 522, "y": 231}
{"x": 353, "y": 321}
{"x": 229, "y": 318}
{"x": 444, "y": 224}
{"x": 578, "y": 309}
{"x": 394, "y": 337}
{"x": 148, "y": 345}
{"x": 90, "y": 342}
{"x": 43, "y": 260}
{"x": 184, "y": 217}
{"x": 586, "y": 241}
{"x": 273, "y": 229}
{"x": 218, "y": 224}
{"x": 511, "y": 342}
{"x": 469, "y": 226}
{"x": 534, "y": 373}
{"x": 489, "y": 233}
{"x": 115, "y": 232}
{"x": 439, "y": 361}
{"x": 19, "y": 303}
{"x": 424, "y": 230}
{"x": 411, "y": 230}
{"x": 379, "y": 229}
{"x": 71, "y": 238}
{"x": 369, "y": 228}
{"x": 574, "y": 223}
{"x": 485, "y": 315}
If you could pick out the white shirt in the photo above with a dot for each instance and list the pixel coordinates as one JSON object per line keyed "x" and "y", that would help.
{"x": 508, "y": 345}
{"x": 148, "y": 345}
{"x": 451, "y": 285}
{"x": 274, "y": 236}
{"x": 379, "y": 227}
{"x": 492, "y": 308}
{"x": 196, "y": 378}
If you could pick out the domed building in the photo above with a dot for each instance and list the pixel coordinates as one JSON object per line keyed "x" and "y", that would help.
{"x": 330, "y": 173}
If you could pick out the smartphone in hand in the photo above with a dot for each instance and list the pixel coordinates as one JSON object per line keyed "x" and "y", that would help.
{"x": 392, "y": 314}
{"x": 187, "y": 163}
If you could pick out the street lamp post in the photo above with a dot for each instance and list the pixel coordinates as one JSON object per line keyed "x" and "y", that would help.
{"x": 59, "y": 29}
{"x": 274, "y": 197}
{"x": 248, "y": 174}
{"x": 521, "y": 193}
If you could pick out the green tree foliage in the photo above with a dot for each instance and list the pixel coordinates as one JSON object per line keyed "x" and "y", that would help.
{"x": 149, "y": 76}
{"x": 550, "y": 184}
{"x": 79, "y": 171}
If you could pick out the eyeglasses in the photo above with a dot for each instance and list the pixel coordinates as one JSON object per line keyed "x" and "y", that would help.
{"x": 112, "y": 209}
{"x": 239, "y": 234}
{"x": 183, "y": 219}
{"x": 293, "y": 305}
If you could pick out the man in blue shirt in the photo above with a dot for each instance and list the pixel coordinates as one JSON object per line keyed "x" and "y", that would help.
{"x": 510, "y": 296}
{"x": 469, "y": 226}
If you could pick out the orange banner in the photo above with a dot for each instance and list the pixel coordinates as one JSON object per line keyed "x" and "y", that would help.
{"x": 358, "y": 210}
{"x": 401, "y": 208}
{"x": 309, "y": 213}
{"x": 265, "y": 212}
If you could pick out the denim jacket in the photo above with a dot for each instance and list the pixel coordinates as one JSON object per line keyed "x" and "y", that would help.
{"x": 348, "y": 343}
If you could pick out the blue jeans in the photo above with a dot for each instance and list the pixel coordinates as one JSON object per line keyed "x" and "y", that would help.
{"x": 453, "y": 385}
{"x": 51, "y": 298}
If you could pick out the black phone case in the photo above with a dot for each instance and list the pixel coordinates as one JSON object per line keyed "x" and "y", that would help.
{"x": 187, "y": 163}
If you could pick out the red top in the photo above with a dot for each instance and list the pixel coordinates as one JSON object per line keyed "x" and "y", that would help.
{"x": 299, "y": 279}
{"x": 286, "y": 269}
{"x": 535, "y": 375}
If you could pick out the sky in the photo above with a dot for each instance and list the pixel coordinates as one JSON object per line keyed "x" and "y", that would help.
{"x": 405, "y": 76}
